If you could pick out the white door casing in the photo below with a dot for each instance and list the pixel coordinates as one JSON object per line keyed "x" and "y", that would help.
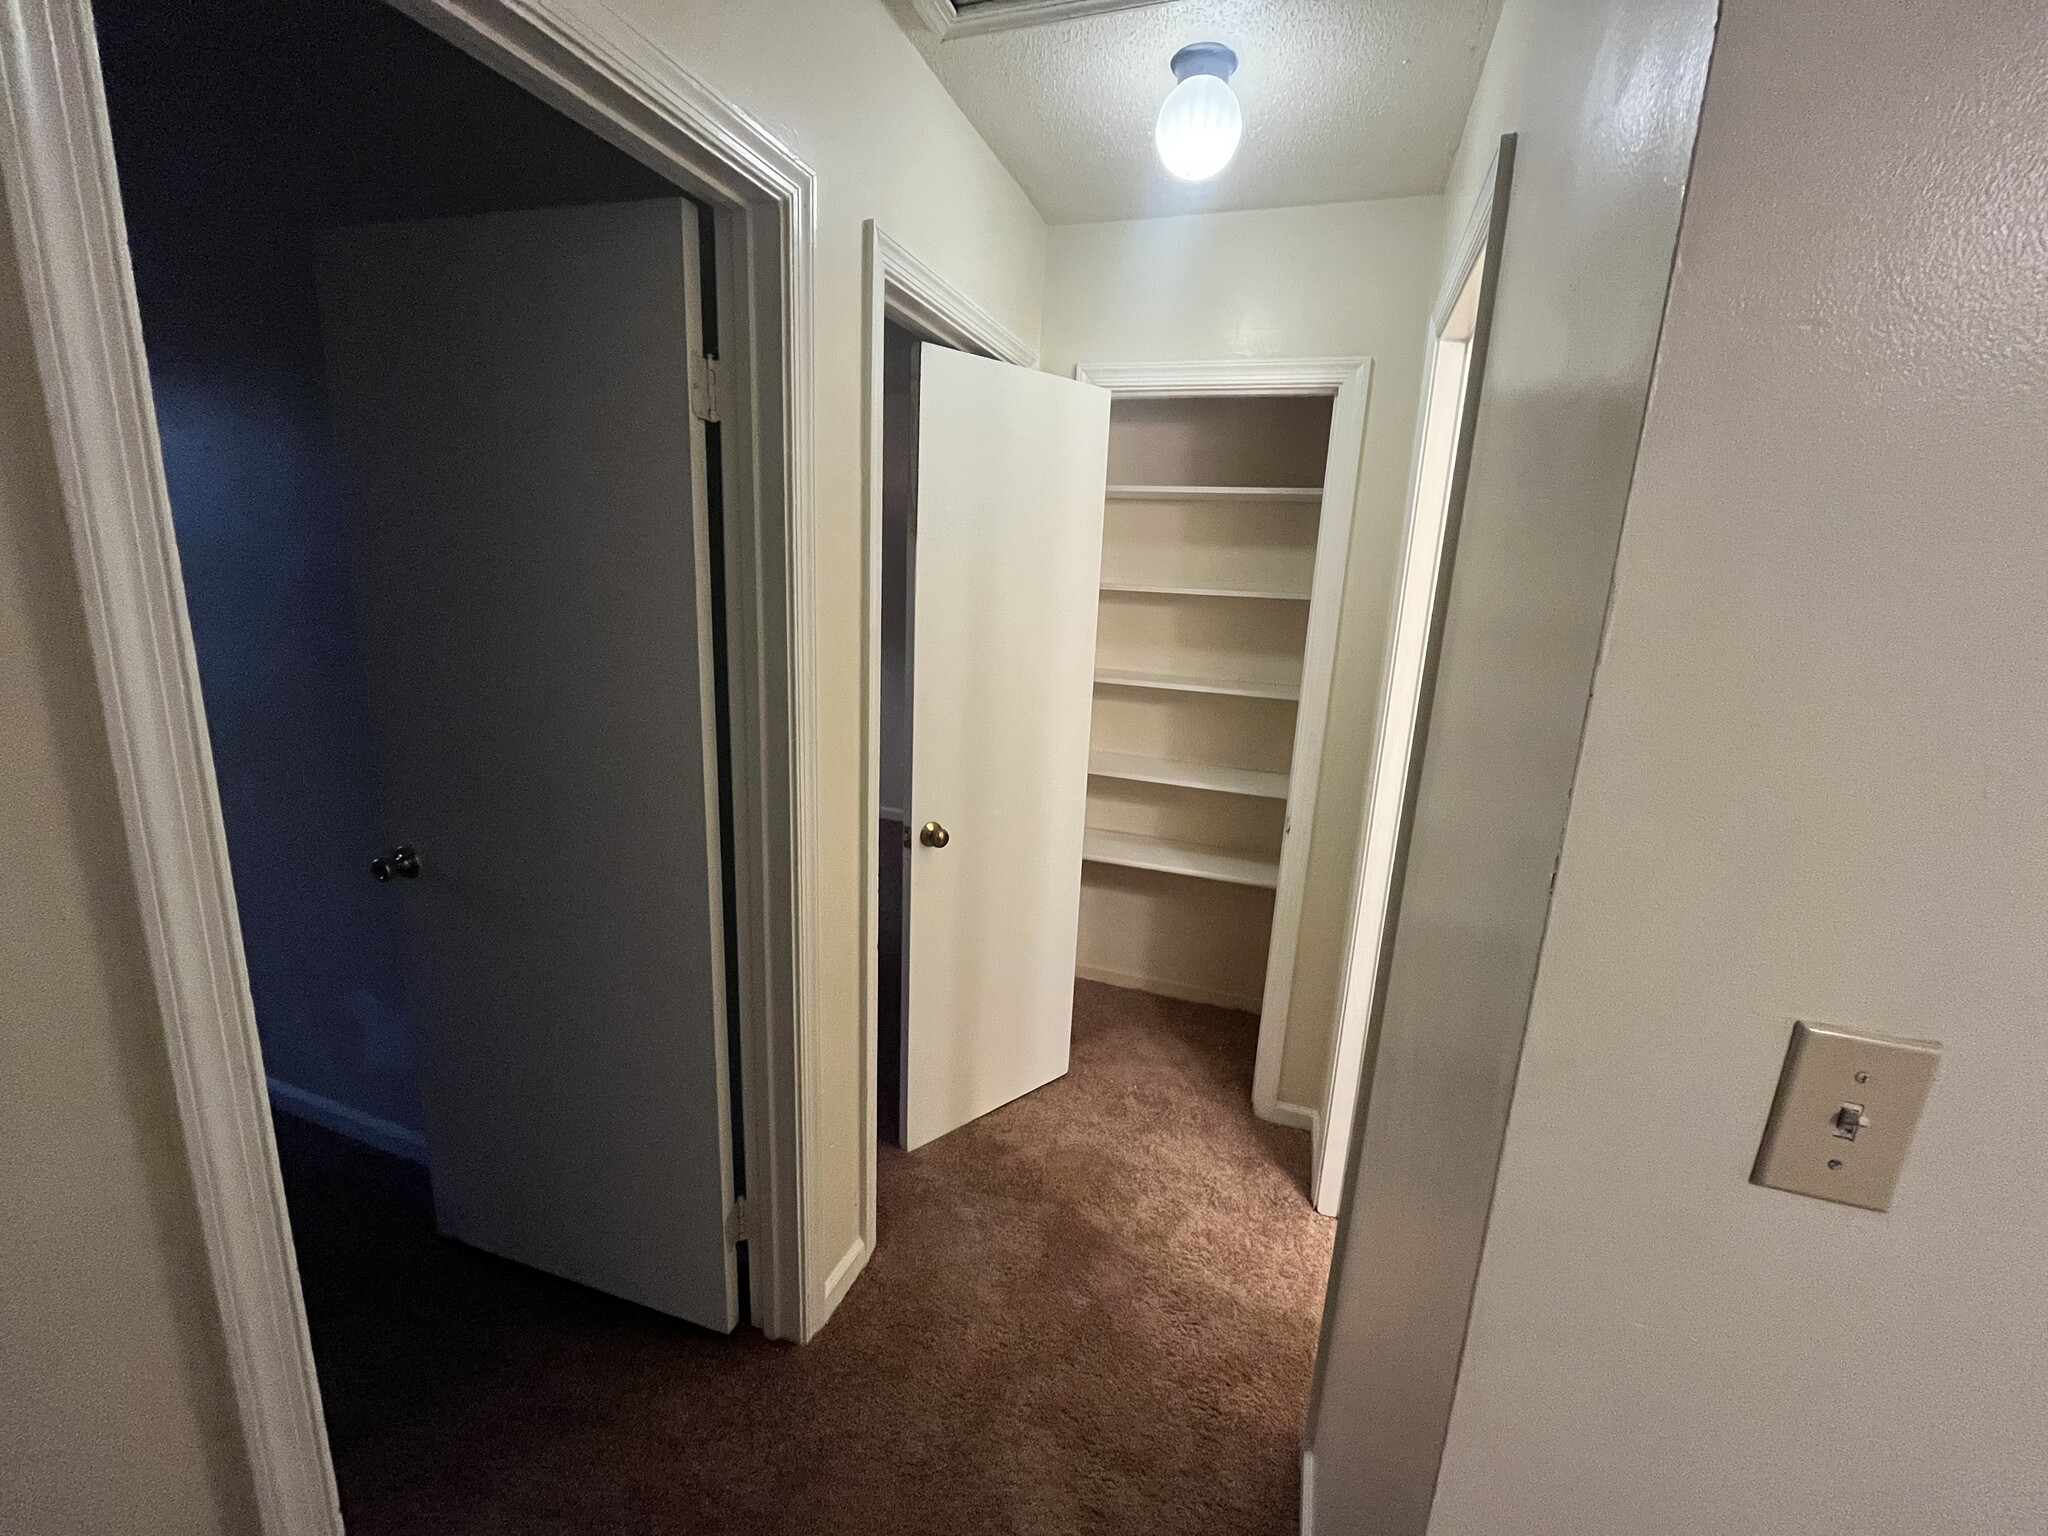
{"x": 1415, "y": 582}
{"x": 1011, "y": 469}
{"x": 511, "y": 393}
{"x": 1453, "y": 372}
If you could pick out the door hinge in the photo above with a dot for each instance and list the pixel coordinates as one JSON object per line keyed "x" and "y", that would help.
{"x": 707, "y": 388}
{"x": 739, "y": 1222}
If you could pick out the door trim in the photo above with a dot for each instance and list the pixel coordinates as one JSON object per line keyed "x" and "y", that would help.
{"x": 1348, "y": 380}
{"x": 1369, "y": 930}
{"x": 56, "y": 157}
{"x": 895, "y": 285}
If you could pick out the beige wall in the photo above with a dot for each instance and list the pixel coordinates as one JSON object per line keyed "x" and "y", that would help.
{"x": 1603, "y": 95}
{"x": 114, "y": 1409}
{"x": 1812, "y": 787}
{"x": 1339, "y": 280}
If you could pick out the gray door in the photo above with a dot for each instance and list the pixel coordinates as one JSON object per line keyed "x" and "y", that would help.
{"x": 511, "y": 393}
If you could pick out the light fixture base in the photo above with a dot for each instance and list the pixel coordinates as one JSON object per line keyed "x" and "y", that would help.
{"x": 1204, "y": 59}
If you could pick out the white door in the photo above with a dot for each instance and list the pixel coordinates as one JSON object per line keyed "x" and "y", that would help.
{"x": 511, "y": 393}
{"x": 1011, "y": 467}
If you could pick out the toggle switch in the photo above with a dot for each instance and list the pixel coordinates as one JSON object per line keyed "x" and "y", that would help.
{"x": 1846, "y": 1107}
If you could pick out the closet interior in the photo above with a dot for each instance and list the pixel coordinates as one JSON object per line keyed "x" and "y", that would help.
{"x": 1212, "y": 514}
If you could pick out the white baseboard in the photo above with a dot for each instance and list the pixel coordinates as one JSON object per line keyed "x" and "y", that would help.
{"x": 332, "y": 1114}
{"x": 1300, "y": 1116}
{"x": 1308, "y": 1490}
{"x": 840, "y": 1281}
{"x": 1186, "y": 992}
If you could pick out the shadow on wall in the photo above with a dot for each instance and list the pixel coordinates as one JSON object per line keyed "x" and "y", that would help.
{"x": 242, "y": 127}
{"x": 257, "y": 496}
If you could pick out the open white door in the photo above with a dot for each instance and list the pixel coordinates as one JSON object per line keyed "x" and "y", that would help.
{"x": 512, "y": 395}
{"x": 1011, "y": 466}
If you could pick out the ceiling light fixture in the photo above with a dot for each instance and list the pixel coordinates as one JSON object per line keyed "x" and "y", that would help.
{"x": 1200, "y": 121}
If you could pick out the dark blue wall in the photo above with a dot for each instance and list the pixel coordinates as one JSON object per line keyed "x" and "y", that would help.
{"x": 241, "y": 127}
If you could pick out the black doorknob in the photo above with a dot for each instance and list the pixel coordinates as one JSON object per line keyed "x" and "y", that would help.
{"x": 401, "y": 863}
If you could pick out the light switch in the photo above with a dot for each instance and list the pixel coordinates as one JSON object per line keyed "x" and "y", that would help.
{"x": 1844, "y": 1115}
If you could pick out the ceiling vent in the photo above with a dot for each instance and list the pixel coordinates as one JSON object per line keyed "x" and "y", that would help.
{"x": 967, "y": 18}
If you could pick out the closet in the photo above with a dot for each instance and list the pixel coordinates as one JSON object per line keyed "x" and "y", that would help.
{"x": 1212, "y": 517}
{"x": 1152, "y": 830}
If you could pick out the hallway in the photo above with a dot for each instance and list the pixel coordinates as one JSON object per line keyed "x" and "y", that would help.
{"x": 1094, "y": 1310}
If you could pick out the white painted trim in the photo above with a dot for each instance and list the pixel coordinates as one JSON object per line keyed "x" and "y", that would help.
{"x": 915, "y": 295}
{"x": 56, "y": 158}
{"x": 1308, "y": 1490}
{"x": 1364, "y": 929}
{"x": 1302, "y": 1118}
{"x": 1369, "y": 930}
{"x": 840, "y": 1280}
{"x": 346, "y": 1120}
{"x": 895, "y": 286}
{"x": 1349, "y": 381}
{"x": 1185, "y": 991}
{"x": 1470, "y": 247}
{"x": 946, "y": 20}
{"x": 1299, "y": 1116}
{"x": 1231, "y": 376}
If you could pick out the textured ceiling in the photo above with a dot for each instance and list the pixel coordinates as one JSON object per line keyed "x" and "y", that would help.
{"x": 1343, "y": 100}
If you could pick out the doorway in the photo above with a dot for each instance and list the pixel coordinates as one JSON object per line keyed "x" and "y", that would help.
{"x": 1459, "y": 329}
{"x": 1079, "y": 1215}
{"x": 892, "y": 893}
{"x": 62, "y": 165}
{"x": 1112, "y": 1242}
{"x": 1208, "y": 693}
{"x": 425, "y": 359}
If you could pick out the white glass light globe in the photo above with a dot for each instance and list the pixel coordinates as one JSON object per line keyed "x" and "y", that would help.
{"x": 1199, "y": 125}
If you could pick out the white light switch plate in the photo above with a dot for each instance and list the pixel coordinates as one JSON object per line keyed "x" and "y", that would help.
{"x": 1844, "y": 1115}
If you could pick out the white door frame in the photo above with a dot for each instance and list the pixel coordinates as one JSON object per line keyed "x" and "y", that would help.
{"x": 56, "y": 156}
{"x": 1429, "y": 536}
{"x": 1348, "y": 380}
{"x": 895, "y": 286}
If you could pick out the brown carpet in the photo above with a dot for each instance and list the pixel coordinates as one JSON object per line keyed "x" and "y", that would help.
{"x": 1091, "y": 1311}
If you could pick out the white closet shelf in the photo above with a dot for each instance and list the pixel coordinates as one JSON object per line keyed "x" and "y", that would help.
{"x": 1135, "y": 852}
{"x": 1117, "y": 677}
{"x": 1164, "y": 589}
{"x": 1301, "y": 493}
{"x": 1167, "y": 770}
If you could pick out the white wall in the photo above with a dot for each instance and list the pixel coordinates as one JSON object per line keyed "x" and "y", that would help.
{"x": 1603, "y": 96}
{"x": 1812, "y": 787}
{"x": 1337, "y": 280}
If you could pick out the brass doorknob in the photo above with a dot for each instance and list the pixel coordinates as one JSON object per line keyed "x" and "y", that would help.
{"x": 401, "y": 863}
{"x": 934, "y": 836}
